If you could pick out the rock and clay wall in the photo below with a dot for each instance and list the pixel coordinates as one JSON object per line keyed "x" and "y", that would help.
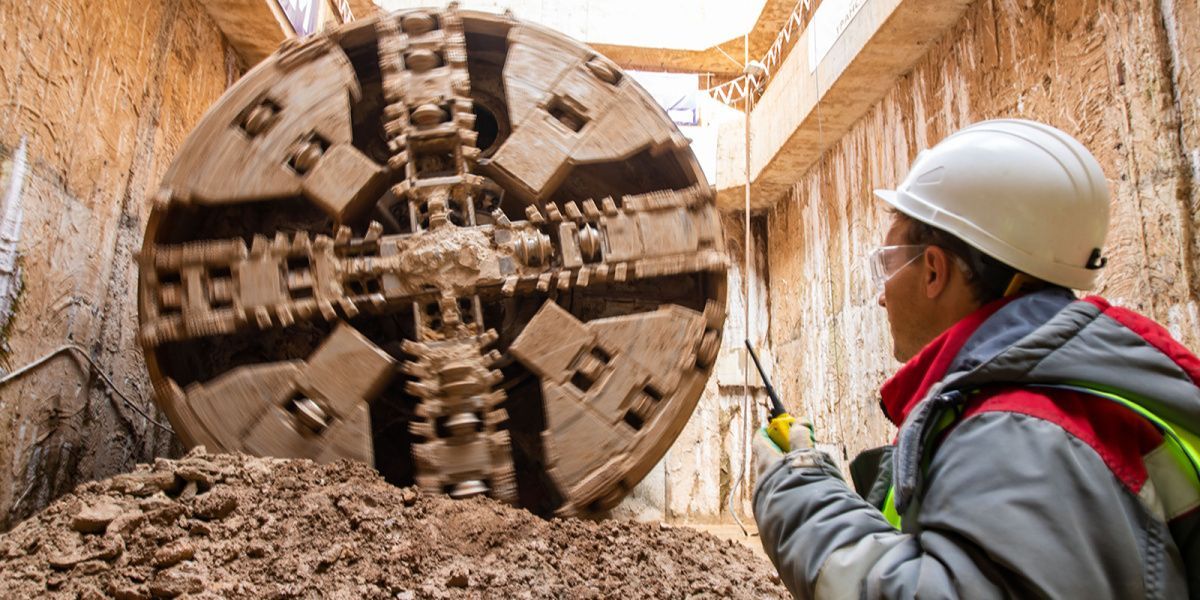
{"x": 1121, "y": 78}
{"x": 99, "y": 95}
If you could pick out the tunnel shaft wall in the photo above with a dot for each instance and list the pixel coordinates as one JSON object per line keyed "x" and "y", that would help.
{"x": 102, "y": 94}
{"x": 1119, "y": 76}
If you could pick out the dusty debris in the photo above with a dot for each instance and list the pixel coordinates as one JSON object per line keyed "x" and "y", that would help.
{"x": 286, "y": 528}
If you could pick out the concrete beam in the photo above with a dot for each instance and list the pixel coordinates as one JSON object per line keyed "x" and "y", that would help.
{"x": 670, "y": 60}
{"x": 692, "y": 25}
{"x": 696, "y": 41}
{"x": 255, "y": 28}
{"x": 881, "y": 43}
{"x": 713, "y": 60}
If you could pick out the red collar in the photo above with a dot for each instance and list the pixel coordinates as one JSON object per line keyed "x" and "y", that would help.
{"x": 909, "y": 385}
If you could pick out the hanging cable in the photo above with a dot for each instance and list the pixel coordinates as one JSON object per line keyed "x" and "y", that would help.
{"x": 95, "y": 368}
{"x": 757, "y": 81}
{"x": 722, "y": 51}
{"x": 746, "y": 272}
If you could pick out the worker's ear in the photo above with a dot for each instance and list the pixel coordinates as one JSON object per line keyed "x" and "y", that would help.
{"x": 937, "y": 264}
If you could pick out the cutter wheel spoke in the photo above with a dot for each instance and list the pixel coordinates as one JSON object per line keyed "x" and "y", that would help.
{"x": 469, "y": 251}
{"x": 223, "y": 286}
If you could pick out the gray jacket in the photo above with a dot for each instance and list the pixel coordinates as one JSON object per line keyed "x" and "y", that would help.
{"x": 1032, "y": 492}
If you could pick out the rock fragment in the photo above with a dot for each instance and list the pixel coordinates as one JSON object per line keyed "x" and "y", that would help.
{"x": 106, "y": 550}
{"x": 174, "y": 553}
{"x": 458, "y": 579}
{"x": 94, "y": 518}
{"x": 256, "y": 550}
{"x": 190, "y": 489}
{"x": 196, "y": 474}
{"x": 166, "y": 515}
{"x": 130, "y": 592}
{"x": 144, "y": 483}
{"x": 155, "y": 502}
{"x": 409, "y": 496}
{"x": 216, "y": 504}
{"x": 176, "y": 581}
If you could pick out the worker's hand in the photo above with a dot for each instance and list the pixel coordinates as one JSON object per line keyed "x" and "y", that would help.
{"x": 765, "y": 452}
{"x": 790, "y": 433}
{"x": 803, "y": 451}
{"x": 802, "y": 436}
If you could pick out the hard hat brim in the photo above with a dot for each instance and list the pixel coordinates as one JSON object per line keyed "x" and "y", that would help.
{"x": 1024, "y": 193}
{"x": 890, "y": 197}
{"x": 917, "y": 209}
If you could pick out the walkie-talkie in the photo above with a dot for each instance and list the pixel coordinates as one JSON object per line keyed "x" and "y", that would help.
{"x": 779, "y": 427}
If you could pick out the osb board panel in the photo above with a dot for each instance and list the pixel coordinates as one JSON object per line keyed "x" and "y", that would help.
{"x": 104, "y": 93}
{"x": 1099, "y": 71}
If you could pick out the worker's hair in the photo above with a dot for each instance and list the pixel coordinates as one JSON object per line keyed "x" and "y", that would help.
{"x": 988, "y": 277}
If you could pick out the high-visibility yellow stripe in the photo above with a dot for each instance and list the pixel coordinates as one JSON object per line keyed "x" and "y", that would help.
{"x": 945, "y": 420}
{"x": 889, "y": 508}
{"x": 1183, "y": 444}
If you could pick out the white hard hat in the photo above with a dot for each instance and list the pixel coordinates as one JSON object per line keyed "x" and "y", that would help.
{"x": 1024, "y": 193}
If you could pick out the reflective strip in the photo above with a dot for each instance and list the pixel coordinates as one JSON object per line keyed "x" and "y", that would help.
{"x": 1184, "y": 445}
{"x": 1175, "y": 486}
{"x": 945, "y": 420}
{"x": 889, "y": 508}
{"x": 1174, "y": 467}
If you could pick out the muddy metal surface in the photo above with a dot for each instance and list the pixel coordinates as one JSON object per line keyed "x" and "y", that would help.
{"x": 243, "y": 527}
{"x": 461, "y": 248}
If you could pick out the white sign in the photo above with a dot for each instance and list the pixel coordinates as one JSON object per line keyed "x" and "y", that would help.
{"x": 302, "y": 14}
{"x": 343, "y": 9}
{"x": 828, "y": 23}
{"x": 675, "y": 92}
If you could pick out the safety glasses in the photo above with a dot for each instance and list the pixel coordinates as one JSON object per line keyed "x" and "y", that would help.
{"x": 886, "y": 261}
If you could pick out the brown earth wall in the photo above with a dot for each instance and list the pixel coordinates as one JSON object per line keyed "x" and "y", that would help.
{"x": 1120, "y": 76}
{"x": 103, "y": 92}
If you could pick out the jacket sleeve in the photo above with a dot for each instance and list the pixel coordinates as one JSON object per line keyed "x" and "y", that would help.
{"x": 1013, "y": 506}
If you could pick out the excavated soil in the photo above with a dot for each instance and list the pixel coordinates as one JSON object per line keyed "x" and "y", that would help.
{"x": 235, "y": 526}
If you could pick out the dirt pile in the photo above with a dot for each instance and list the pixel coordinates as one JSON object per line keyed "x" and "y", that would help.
{"x": 237, "y": 526}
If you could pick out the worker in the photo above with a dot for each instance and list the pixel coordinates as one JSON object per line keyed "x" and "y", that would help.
{"x": 1043, "y": 446}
